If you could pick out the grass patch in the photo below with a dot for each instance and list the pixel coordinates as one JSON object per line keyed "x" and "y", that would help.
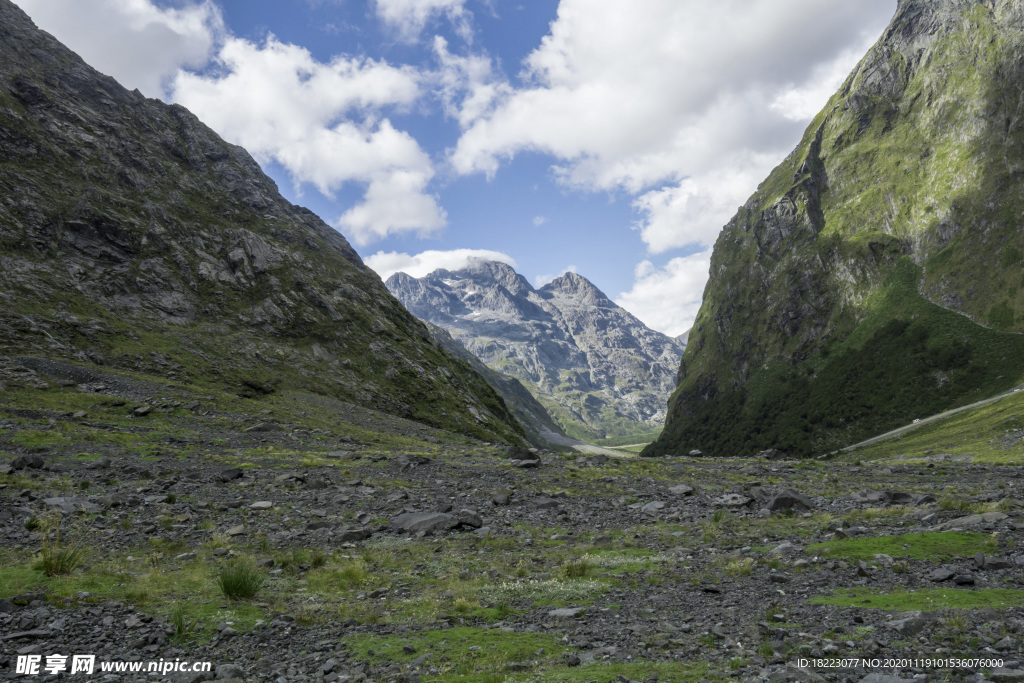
{"x": 983, "y": 434}
{"x": 925, "y": 546}
{"x": 550, "y": 592}
{"x": 678, "y": 672}
{"x": 461, "y": 651}
{"x": 929, "y": 600}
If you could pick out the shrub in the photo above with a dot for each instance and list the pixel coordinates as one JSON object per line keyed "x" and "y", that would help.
{"x": 240, "y": 581}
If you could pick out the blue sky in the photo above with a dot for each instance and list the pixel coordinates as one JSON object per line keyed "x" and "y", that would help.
{"x": 614, "y": 139}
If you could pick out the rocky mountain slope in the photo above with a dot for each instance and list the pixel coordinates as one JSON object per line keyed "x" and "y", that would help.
{"x": 876, "y": 274}
{"x": 598, "y": 370}
{"x": 132, "y": 236}
{"x": 541, "y": 429}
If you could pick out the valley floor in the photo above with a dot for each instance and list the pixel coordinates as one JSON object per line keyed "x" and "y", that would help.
{"x": 586, "y": 568}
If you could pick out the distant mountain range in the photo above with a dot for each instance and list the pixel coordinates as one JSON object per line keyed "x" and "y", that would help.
{"x": 597, "y": 369}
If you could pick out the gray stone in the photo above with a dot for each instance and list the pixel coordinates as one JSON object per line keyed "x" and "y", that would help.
{"x": 1004, "y": 675}
{"x": 983, "y": 519}
{"x": 470, "y": 518}
{"x": 940, "y": 574}
{"x": 526, "y": 464}
{"x": 424, "y": 522}
{"x": 695, "y": 453}
{"x": 790, "y": 500}
{"x": 236, "y": 530}
{"x": 518, "y": 453}
{"x": 653, "y": 508}
{"x": 545, "y": 503}
{"x": 566, "y": 612}
{"x": 794, "y": 673}
{"x": 911, "y": 625}
{"x": 353, "y": 535}
{"x": 681, "y": 490}
{"x": 732, "y": 500}
{"x": 142, "y": 411}
{"x": 229, "y": 474}
{"x": 772, "y": 454}
{"x": 27, "y": 462}
{"x": 225, "y": 671}
{"x": 262, "y": 505}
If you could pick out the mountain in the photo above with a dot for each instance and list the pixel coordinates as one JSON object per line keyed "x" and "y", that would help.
{"x": 596, "y": 369}
{"x": 133, "y": 237}
{"x": 876, "y": 275}
{"x": 541, "y": 429}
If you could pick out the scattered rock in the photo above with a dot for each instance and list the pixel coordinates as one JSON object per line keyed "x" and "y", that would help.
{"x": 29, "y": 462}
{"x": 731, "y": 500}
{"x": 424, "y": 522}
{"x": 790, "y": 500}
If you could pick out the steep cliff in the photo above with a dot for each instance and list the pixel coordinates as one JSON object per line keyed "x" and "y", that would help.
{"x": 596, "y": 369}
{"x": 132, "y": 236}
{"x": 876, "y": 274}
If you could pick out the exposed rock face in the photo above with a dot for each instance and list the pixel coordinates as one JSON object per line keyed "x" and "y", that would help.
{"x": 827, "y": 316}
{"x": 540, "y": 428}
{"x": 131, "y": 235}
{"x": 597, "y": 369}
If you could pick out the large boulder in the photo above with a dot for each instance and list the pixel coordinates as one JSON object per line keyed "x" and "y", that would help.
{"x": 790, "y": 500}
{"x": 424, "y": 522}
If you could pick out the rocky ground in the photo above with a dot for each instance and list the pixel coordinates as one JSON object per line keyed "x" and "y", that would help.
{"x": 391, "y": 552}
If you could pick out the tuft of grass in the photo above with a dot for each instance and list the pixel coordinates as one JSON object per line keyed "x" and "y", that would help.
{"x": 240, "y": 580}
{"x": 55, "y": 558}
{"x": 183, "y": 626}
{"x": 577, "y": 568}
{"x": 464, "y": 605}
{"x": 954, "y": 502}
{"x": 318, "y": 559}
{"x": 739, "y": 566}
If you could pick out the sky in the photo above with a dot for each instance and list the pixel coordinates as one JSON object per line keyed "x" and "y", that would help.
{"x": 609, "y": 138}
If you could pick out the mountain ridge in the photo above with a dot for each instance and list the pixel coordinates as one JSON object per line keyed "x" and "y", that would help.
{"x": 844, "y": 273}
{"x": 596, "y": 368}
{"x": 133, "y": 236}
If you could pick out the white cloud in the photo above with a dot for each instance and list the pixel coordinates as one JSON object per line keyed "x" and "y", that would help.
{"x": 388, "y": 263}
{"x": 321, "y": 121}
{"x": 409, "y": 17}
{"x": 690, "y": 100}
{"x": 541, "y": 280}
{"x": 539, "y": 221}
{"x": 141, "y": 45}
{"x": 694, "y": 210}
{"x": 468, "y": 86}
{"x": 667, "y": 299}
